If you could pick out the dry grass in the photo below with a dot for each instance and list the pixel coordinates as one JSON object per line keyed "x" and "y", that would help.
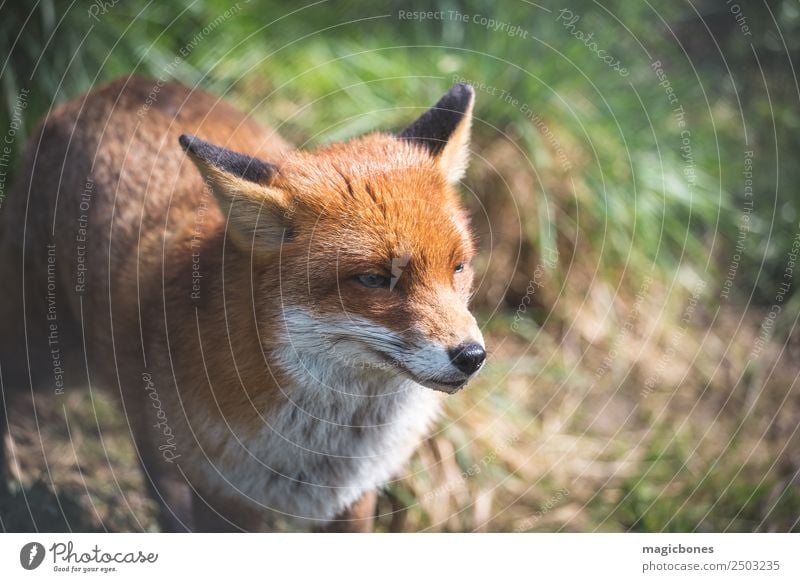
{"x": 541, "y": 442}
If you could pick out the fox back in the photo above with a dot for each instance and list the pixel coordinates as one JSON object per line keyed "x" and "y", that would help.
{"x": 280, "y": 325}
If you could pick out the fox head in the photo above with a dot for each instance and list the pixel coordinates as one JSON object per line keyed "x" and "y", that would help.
{"x": 368, "y": 244}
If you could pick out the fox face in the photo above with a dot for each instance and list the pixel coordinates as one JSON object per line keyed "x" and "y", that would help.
{"x": 365, "y": 248}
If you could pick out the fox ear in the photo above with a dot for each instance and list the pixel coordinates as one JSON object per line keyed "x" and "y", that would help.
{"x": 257, "y": 214}
{"x": 444, "y": 130}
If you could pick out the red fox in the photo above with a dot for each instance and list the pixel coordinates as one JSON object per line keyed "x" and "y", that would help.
{"x": 279, "y": 325}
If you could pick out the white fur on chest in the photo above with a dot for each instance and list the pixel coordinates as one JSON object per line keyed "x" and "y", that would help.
{"x": 346, "y": 429}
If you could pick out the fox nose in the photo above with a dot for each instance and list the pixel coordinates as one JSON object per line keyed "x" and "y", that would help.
{"x": 468, "y": 357}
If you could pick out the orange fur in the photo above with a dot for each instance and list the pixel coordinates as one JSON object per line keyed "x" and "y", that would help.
{"x": 188, "y": 285}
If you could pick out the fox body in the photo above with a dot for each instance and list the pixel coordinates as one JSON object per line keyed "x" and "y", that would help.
{"x": 280, "y": 325}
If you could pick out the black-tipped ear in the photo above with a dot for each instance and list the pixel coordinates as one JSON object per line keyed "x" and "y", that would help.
{"x": 438, "y": 124}
{"x": 444, "y": 130}
{"x": 240, "y": 165}
{"x": 257, "y": 213}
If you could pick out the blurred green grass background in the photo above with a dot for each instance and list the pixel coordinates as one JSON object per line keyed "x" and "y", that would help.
{"x": 608, "y": 403}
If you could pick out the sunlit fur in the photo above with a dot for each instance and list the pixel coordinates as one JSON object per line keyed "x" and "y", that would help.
{"x": 289, "y": 386}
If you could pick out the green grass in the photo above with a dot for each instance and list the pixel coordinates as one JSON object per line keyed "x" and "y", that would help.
{"x": 315, "y": 75}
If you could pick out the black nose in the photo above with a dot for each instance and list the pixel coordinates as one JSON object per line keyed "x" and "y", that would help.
{"x": 468, "y": 357}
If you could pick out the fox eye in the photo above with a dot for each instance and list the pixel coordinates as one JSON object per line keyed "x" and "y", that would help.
{"x": 459, "y": 268}
{"x": 373, "y": 281}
